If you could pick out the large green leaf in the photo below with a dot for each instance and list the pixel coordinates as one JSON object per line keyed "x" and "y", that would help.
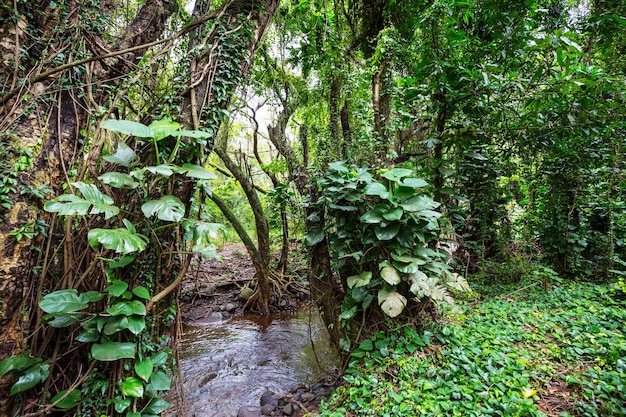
{"x": 196, "y": 171}
{"x": 144, "y": 368}
{"x": 338, "y": 166}
{"x": 419, "y": 203}
{"x": 167, "y": 208}
{"x": 159, "y": 358}
{"x": 314, "y": 236}
{"x": 18, "y": 363}
{"x": 136, "y": 324}
{"x": 71, "y": 400}
{"x": 31, "y": 377}
{"x": 119, "y": 180}
{"x": 127, "y": 308}
{"x": 157, "y": 406}
{"x": 378, "y": 189}
{"x": 396, "y": 174}
{"x": 141, "y": 292}
{"x": 160, "y": 381}
{"x": 360, "y": 280}
{"x": 120, "y": 240}
{"x": 62, "y": 301}
{"x": 115, "y": 324}
{"x": 394, "y": 215}
{"x": 196, "y": 134}
{"x": 70, "y": 204}
{"x": 164, "y": 170}
{"x": 123, "y": 156}
{"x": 414, "y": 182}
{"x": 387, "y": 233}
{"x": 112, "y": 351}
{"x": 117, "y": 288}
{"x": 60, "y": 320}
{"x": 128, "y": 127}
{"x": 163, "y": 128}
{"x": 390, "y": 274}
{"x": 132, "y": 387}
{"x": 391, "y": 302}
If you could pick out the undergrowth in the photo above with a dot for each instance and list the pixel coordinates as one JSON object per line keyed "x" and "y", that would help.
{"x": 522, "y": 351}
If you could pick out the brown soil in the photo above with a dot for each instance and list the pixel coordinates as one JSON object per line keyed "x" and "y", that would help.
{"x": 212, "y": 284}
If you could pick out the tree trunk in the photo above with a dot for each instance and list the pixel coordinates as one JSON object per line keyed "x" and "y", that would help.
{"x": 44, "y": 134}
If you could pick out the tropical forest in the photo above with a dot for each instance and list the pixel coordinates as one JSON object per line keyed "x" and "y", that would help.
{"x": 312, "y": 208}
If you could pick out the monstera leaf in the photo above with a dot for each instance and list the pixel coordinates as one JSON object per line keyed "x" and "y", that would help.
{"x": 70, "y": 204}
{"x": 391, "y": 302}
{"x": 167, "y": 208}
{"x": 121, "y": 240}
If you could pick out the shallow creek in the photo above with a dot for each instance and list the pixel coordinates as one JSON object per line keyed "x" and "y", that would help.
{"x": 229, "y": 364}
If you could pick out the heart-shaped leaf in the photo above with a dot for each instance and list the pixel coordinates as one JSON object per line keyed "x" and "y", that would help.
{"x": 360, "y": 280}
{"x": 112, "y": 351}
{"x": 144, "y": 368}
{"x": 124, "y": 155}
{"x": 163, "y": 128}
{"x": 132, "y": 387}
{"x": 62, "y": 301}
{"x": 128, "y": 127}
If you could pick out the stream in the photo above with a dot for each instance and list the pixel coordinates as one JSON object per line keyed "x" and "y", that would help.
{"x": 229, "y": 364}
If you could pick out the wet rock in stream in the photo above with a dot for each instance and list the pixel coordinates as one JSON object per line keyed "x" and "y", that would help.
{"x": 301, "y": 399}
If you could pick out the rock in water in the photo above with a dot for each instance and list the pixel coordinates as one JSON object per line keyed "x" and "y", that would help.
{"x": 266, "y": 397}
{"x": 248, "y": 412}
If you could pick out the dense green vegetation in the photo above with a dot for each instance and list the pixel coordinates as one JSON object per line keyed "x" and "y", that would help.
{"x": 515, "y": 350}
{"x": 411, "y": 147}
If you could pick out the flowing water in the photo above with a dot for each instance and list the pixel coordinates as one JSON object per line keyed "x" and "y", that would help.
{"x": 226, "y": 365}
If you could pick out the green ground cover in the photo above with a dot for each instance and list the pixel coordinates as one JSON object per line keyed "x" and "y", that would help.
{"x": 512, "y": 351}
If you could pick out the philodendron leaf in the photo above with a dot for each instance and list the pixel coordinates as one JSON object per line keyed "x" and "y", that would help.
{"x": 196, "y": 171}
{"x": 387, "y": 233}
{"x": 393, "y": 215}
{"x": 377, "y": 189}
{"x": 62, "y": 301}
{"x": 31, "y": 377}
{"x": 123, "y": 156}
{"x": 118, "y": 180}
{"x": 20, "y": 362}
{"x": 128, "y": 127}
{"x": 314, "y": 237}
{"x": 414, "y": 182}
{"x": 196, "y": 134}
{"x": 338, "y": 166}
{"x": 390, "y": 274}
{"x": 70, "y": 400}
{"x": 120, "y": 240}
{"x": 163, "y": 128}
{"x": 132, "y": 387}
{"x": 112, "y": 351}
{"x": 360, "y": 280}
{"x": 70, "y": 204}
{"x": 419, "y": 203}
{"x": 165, "y": 170}
{"x": 396, "y": 174}
{"x": 167, "y": 208}
{"x": 143, "y": 369}
{"x": 391, "y": 302}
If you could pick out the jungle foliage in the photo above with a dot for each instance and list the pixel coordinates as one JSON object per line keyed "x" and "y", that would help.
{"x": 413, "y": 148}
